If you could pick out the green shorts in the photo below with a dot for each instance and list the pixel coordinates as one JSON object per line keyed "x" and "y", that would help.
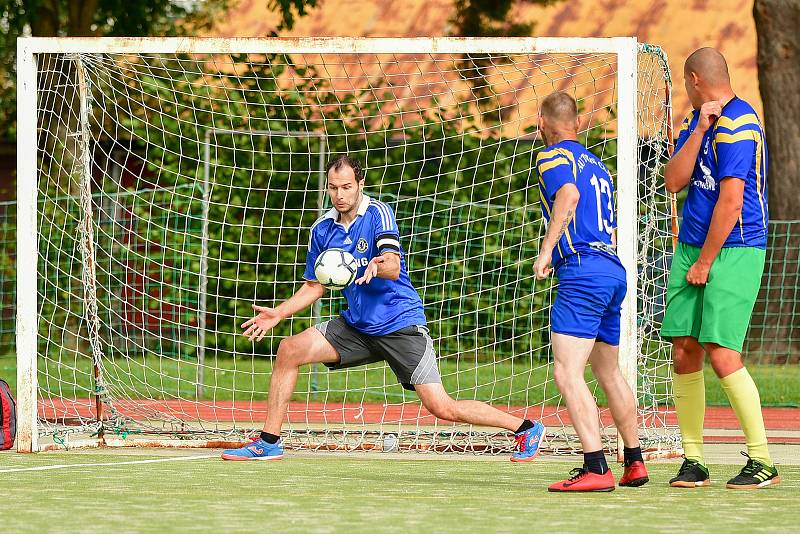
{"x": 720, "y": 311}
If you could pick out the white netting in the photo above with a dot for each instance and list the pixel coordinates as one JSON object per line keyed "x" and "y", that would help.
{"x": 199, "y": 176}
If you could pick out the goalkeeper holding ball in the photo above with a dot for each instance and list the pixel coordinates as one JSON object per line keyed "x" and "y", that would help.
{"x": 384, "y": 321}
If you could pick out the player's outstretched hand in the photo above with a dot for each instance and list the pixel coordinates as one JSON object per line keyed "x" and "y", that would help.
{"x": 371, "y": 271}
{"x": 709, "y": 112}
{"x": 257, "y": 327}
{"x": 542, "y": 267}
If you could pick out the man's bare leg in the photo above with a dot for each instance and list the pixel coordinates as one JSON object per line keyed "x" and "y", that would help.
{"x": 442, "y": 405}
{"x": 571, "y": 354}
{"x": 309, "y": 346}
{"x": 605, "y": 366}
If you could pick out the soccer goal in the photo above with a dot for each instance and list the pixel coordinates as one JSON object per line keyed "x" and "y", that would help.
{"x": 166, "y": 185}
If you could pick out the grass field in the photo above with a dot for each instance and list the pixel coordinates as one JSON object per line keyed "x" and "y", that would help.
{"x": 365, "y": 493}
{"x": 501, "y": 383}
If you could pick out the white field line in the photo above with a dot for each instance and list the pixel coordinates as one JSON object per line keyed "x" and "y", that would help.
{"x": 151, "y": 461}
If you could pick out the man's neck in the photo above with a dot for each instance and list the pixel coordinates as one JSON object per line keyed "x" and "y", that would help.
{"x": 350, "y": 216}
{"x": 557, "y": 137}
{"x": 722, "y": 95}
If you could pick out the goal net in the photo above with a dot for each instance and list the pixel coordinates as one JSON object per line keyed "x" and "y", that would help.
{"x": 167, "y": 185}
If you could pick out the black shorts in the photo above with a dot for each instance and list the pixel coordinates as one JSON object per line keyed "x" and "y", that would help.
{"x": 409, "y": 351}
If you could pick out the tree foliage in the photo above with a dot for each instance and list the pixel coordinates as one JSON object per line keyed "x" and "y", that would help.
{"x": 492, "y": 18}
{"x": 109, "y": 18}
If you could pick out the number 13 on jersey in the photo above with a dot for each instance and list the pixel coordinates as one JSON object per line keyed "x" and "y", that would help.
{"x": 605, "y": 211}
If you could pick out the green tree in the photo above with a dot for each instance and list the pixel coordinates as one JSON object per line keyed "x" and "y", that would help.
{"x": 489, "y": 18}
{"x": 108, "y": 18}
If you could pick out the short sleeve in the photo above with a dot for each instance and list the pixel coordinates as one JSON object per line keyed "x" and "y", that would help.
{"x": 555, "y": 172}
{"x": 684, "y": 132}
{"x": 386, "y": 232}
{"x": 735, "y": 153}
{"x": 314, "y": 250}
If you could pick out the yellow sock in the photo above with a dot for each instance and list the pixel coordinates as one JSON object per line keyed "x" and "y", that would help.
{"x": 690, "y": 406}
{"x": 743, "y": 395}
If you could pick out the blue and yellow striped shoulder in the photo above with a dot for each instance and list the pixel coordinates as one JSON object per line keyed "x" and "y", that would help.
{"x": 548, "y": 159}
{"x": 739, "y": 122}
{"x": 687, "y": 120}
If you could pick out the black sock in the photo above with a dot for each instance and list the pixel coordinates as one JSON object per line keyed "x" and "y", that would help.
{"x": 270, "y": 438}
{"x": 632, "y": 455}
{"x": 526, "y": 425}
{"x": 595, "y": 462}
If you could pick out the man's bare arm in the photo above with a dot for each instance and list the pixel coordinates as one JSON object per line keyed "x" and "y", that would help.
{"x": 563, "y": 212}
{"x": 726, "y": 213}
{"x": 679, "y": 168}
{"x": 257, "y": 327}
{"x": 386, "y": 266}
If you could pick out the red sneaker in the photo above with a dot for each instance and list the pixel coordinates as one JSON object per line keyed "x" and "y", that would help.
{"x": 583, "y": 480}
{"x": 635, "y": 475}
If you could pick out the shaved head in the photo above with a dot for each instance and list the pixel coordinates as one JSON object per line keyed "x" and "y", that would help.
{"x": 709, "y": 65}
{"x": 558, "y": 117}
{"x": 559, "y": 108}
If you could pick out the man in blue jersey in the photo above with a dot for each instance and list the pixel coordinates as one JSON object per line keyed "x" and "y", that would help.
{"x": 721, "y": 156}
{"x": 384, "y": 321}
{"x": 577, "y": 198}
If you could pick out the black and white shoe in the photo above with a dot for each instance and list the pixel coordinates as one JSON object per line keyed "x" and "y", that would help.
{"x": 692, "y": 474}
{"x": 754, "y": 475}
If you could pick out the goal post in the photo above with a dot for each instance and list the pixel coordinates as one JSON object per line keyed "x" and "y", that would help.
{"x": 203, "y": 221}
{"x": 27, "y": 250}
{"x": 627, "y": 211}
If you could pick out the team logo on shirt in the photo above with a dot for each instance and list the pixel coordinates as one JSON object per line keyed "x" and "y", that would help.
{"x": 362, "y": 245}
{"x": 708, "y": 183}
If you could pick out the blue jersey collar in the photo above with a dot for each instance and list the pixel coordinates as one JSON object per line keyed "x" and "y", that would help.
{"x": 362, "y": 209}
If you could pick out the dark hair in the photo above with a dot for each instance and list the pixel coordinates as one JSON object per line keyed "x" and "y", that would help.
{"x": 344, "y": 160}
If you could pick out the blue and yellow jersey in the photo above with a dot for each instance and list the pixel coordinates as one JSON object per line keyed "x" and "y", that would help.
{"x": 589, "y": 233}
{"x": 734, "y": 147}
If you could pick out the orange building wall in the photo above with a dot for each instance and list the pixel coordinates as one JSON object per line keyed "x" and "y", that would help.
{"x": 678, "y": 26}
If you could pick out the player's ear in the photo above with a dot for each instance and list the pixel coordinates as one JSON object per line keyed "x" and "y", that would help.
{"x": 694, "y": 78}
{"x": 579, "y": 122}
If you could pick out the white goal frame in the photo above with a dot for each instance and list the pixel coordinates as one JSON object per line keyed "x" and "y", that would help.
{"x": 625, "y": 49}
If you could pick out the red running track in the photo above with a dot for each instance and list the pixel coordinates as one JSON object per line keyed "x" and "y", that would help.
{"x": 717, "y": 417}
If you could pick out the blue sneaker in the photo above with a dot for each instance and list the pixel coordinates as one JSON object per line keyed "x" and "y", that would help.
{"x": 528, "y": 443}
{"x": 257, "y": 450}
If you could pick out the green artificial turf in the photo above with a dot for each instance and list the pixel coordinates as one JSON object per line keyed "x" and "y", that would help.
{"x": 366, "y": 493}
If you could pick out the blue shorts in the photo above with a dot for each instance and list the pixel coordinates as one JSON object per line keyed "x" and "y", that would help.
{"x": 589, "y": 299}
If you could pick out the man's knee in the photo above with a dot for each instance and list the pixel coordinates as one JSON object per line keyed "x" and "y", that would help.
{"x": 288, "y": 351}
{"x": 724, "y": 361}
{"x": 443, "y": 408}
{"x": 687, "y": 355}
{"x": 606, "y": 373}
{"x": 565, "y": 377}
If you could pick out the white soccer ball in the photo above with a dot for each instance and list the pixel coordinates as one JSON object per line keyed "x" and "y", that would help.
{"x": 335, "y": 268}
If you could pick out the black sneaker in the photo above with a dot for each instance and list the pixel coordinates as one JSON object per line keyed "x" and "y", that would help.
{"x": 754, "y": 475}
{"x": 692, "y": 474}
